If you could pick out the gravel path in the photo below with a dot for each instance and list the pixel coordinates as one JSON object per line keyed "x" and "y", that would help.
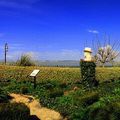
{"x": 35, "y": 108}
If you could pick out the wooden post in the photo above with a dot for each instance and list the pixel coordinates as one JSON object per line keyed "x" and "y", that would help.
{"x": 34, "y": 82}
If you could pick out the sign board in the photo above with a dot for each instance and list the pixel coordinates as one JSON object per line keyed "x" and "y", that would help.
{"x": 34, "y": 73}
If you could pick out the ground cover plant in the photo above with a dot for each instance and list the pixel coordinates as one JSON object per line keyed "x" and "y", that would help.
{"x": 66, "y": 94}
{"x": 25, "y": 60}
{"x": 14, "y": 111}
{"x": 75, "y": 104}
{"x": 11, "y": 111}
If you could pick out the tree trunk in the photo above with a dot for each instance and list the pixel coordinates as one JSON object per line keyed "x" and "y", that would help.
{"x": 103, "y": 65}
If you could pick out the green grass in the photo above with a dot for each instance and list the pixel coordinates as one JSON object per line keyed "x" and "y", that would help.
{"x": 55, "y": 90}
{"x": 80, "y": 104}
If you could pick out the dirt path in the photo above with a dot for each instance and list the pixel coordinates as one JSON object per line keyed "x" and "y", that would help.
{"x": 35, "y": 108}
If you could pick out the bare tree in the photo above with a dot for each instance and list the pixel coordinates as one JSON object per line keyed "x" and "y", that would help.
{"x": 106, "y": 52}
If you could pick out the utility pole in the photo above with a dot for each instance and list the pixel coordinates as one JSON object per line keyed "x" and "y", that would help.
{"x": 6, "y": 50}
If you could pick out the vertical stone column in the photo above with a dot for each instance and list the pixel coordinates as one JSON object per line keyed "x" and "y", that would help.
{"x": 88, "y": 69}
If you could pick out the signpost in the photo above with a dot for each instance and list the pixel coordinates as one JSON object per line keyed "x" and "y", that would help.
{"x": 34, "y": 74}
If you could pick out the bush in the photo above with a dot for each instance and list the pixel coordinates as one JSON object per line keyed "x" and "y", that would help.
{"x": 116, "y": 111}
{"x": 89, "y": 98}
{"x": 104, "y": 112}
{"x": 25, "y": 60}
{"x": 24, "y": 90}
{"x": 65, "y": 105}
{"x": 101, "y": 113}
{"x": 63, "y": 85}
{"x": 56, "y": 93}
{"x": 4, "y": 97}
{"x": 88, "y": 73}
{"x": 14, "y": 111}
{"x": 48, "y": 86}
{"x": 79, "y": 114}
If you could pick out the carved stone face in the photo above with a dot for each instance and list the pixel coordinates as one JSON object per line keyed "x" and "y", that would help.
{"x": 87, "y": 56}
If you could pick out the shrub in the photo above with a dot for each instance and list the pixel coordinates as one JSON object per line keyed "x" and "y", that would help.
{"x": 116, "y": 111}
{"x": 65, "y": 105}
{"x": 104, "y": 111}
{"x": 3, "y": 96}
{"x": 89, "y": 98}
{"x": 101, "y": 113}
{"x": 14, "y": 87}
{"x": 25, "y": 60}
{"x": 63, "y": 85}
{"x": 88, "y": 73}
{"x": 14, "y": 111}
{"x": 79, "y": 114}
{"x": 56, "y": 93}
{"x": 48, "y": 86}
{"x": 24, "y": 90}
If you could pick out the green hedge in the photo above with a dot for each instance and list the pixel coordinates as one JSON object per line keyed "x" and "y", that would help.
{"x": 88, "y": 73}
{"x": 14, "y": 111}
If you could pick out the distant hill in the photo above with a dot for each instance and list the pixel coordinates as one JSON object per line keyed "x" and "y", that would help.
{"x": 58, "y": 63}
{"x": 61, "y": 63}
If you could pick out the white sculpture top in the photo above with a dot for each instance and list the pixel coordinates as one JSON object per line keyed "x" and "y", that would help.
{"x": 87, "y": 54}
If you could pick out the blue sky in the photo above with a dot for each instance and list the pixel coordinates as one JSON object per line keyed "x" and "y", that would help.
{"x": 56, "y": 29}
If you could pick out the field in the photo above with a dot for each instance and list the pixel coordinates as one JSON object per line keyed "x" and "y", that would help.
{"x": 60, "y": 89}
{"x": 56, "y": 73}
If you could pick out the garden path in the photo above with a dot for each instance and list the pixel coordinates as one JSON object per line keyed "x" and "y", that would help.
{"x": 35, "y": 108}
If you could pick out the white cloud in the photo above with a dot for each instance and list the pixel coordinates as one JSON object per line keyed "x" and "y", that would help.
{"x": 15, "y": 55}
{"x": 93, "y": 31}
{"x": 33, "y": 55}
{"x": 61, "y": 55}
{"x": 46, "y": 55}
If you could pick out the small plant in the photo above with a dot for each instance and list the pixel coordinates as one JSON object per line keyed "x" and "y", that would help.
{"x": 89, "y": 98}
{"x": 99, "y": 114}
{"x": 4, "y": 97}
{"x": 63, "y": 85}
{"x": 65, "y": 105}
{"x": 14, "y": 111}
{"x": 56, "y": 93}
{"x": 25, "y": 60}
{"x": 24, "y": 90}
{"x": 104, "y": 111}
